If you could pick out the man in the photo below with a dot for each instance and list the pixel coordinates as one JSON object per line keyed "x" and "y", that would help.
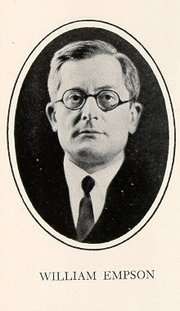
{"x": 94, "y": 107}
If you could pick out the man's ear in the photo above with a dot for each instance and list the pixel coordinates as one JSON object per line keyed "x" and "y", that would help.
{"x": 50, "y": 113}
{"x": 135, "y": 114}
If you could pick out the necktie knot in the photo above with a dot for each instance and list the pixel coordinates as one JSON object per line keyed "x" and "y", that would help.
{"x": 87, "y": 184}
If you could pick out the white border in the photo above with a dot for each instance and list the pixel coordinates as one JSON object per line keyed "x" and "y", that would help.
{"x": 11, "y": 126}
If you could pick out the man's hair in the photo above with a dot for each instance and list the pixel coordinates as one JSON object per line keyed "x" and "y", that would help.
{"x": 86, "y": 49}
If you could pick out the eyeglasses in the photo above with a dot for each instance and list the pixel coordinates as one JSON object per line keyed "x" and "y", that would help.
{"x": 106, "y": 100}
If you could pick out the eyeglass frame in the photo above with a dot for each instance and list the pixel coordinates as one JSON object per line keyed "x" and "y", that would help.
{"x": 120, "y": 102}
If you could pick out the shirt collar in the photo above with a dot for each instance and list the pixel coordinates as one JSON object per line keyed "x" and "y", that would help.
{"x": 74, "y": 174}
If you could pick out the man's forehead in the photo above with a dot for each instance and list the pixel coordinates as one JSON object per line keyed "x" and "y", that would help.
{"x": 99, "y": 70}
{"x": 100, "y": 61}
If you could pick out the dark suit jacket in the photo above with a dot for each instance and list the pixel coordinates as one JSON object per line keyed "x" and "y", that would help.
{"x": 129, "y": 197}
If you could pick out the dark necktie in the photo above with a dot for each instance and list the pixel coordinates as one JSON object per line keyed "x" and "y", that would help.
{"x": 86, "y": 217}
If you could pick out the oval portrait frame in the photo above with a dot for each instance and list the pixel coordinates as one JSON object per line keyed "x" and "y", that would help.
{"x": 75, "y": 25}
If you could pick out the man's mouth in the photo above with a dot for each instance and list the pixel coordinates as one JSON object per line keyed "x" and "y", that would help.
{"x": 88, "y": 132}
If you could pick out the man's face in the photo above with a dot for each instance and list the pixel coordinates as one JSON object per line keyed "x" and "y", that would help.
{"x": 92, "y": 137}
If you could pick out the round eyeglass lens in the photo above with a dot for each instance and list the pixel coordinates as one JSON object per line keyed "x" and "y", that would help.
{"x": 73, "y": 99}
{"x": 108, "y": 99}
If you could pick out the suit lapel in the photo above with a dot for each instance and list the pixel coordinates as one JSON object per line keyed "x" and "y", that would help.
{"x": 56, "y": 209}
{"x": 120, "y": 209}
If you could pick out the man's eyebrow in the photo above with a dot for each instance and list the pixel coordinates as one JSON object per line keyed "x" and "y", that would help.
{"x": 99, "y": 88}
{"x": 107, "y": 87}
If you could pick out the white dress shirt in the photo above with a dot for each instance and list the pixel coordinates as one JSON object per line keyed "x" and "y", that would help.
{"x": 74, "y": 176}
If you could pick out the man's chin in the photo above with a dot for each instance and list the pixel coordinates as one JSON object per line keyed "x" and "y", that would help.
{"x": 92, "y": 159}
{"x": 87, "y": 155}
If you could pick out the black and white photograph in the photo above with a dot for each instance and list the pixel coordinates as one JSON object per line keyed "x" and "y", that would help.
{"x": 90, "y": 157}
{"x": 92, "y": 135}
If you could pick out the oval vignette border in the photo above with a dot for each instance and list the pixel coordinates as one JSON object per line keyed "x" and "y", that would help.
{"x": 11, "y": 119}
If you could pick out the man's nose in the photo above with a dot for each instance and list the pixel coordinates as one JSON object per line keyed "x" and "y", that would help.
{"x": 90, "y": 109}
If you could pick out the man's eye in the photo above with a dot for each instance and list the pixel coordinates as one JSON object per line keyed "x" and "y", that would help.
{"x": 75, "y": 97}
{"x": 108, "y": 97}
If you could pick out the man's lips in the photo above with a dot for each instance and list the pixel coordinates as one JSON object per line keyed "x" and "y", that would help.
{"x": 88, "y": 132}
